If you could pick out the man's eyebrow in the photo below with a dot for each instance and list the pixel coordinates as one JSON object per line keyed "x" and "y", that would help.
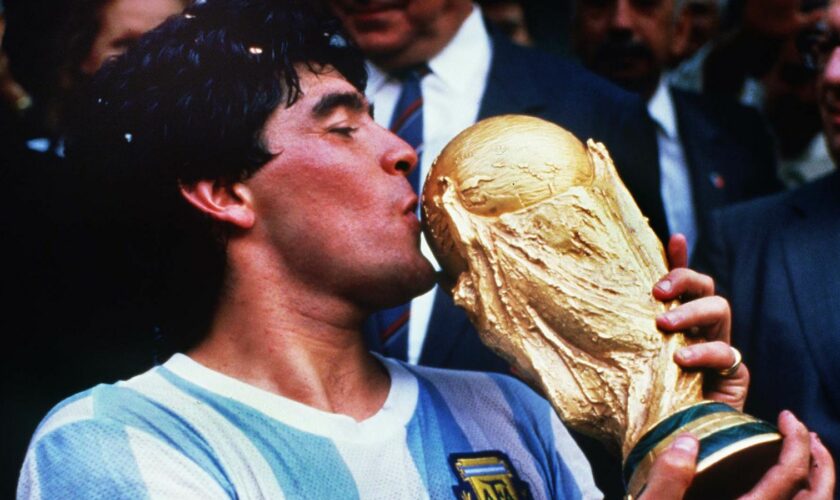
{"x": 330, "y": 102}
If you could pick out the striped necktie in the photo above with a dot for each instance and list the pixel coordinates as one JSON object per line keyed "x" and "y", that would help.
{"x": 407, "y": 123}
{"x": 407, "y": 119}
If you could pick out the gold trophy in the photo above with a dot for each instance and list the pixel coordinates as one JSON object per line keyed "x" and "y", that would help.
{"x": 554, "y": 264}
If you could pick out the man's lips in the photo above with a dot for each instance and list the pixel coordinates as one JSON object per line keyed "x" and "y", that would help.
{"x": 369, "y": 10}
{"x": 410, "y": 205}
{"x": 410, "y": 212}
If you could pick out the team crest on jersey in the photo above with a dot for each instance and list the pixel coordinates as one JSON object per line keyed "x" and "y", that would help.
{"x": 487, "y": 475}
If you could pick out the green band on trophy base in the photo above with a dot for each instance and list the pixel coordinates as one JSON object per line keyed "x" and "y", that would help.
{"x": 725, "y": 435}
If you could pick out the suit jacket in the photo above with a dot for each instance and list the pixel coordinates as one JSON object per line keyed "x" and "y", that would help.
{"x": 729, "y": 151}
{"x": 778, "y": 261}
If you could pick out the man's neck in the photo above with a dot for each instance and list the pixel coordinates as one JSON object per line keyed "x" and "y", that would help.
{"x": 286, "y": 341}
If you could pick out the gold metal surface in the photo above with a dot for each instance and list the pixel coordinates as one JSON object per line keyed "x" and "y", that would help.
{"x": 554, "y": 263}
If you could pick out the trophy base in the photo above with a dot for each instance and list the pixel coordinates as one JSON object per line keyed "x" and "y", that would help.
{"x": 735, "y": 450}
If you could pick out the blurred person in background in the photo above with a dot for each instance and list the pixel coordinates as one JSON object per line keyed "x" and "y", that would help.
{"x": 756, "y": 60}
{"x": 790, "y": 103}
{"x": 778, "y": 261}
{"x": 95, "y": 31}
{"x": 15, "y": 101}
{"x": 712, "y": 152}
{"x": 65, "y": 264}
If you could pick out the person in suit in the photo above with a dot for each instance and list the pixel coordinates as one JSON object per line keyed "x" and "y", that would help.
{"x": 712, "y": 151}
{"x": 776, "y": 259}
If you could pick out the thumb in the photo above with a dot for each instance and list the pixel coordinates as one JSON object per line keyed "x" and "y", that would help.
{"x": 672, "y": 472}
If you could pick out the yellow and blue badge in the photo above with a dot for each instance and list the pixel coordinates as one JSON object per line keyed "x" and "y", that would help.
{"x": 487, "y": 475}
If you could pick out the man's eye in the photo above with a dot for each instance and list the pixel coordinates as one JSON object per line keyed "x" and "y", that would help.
{"x": 345, "y": 131}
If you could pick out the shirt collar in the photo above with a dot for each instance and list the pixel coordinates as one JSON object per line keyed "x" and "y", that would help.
{"x": 466, "y": 53}
{"x": 661, "y": 109}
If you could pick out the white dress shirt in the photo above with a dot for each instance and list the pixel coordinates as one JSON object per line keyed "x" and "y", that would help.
{"x": 675, "y": 178}
{"x": 451, "y": 98}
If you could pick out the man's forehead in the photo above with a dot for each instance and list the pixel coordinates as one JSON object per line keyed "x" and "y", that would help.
{"x": 314, "y": 85}
{"x": 321, "y": 94}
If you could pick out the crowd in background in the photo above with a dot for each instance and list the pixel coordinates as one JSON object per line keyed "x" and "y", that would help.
{"x": 731, "y": 88}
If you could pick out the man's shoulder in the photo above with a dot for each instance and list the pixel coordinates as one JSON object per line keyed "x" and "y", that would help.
{"x": 773, "y": 212}
{"x": 557, "y": 74}
{"x": 93, "y": 407}
{"x": 120, "y": 440}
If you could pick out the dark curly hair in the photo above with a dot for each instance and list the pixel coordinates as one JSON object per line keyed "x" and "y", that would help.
{"x": 190, "y": 102}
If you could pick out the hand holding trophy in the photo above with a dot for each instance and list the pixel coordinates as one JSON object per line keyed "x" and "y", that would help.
{"x": 554, "y": 263}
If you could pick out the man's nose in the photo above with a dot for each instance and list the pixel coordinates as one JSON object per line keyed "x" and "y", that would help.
{"x": 400, "y": 156}
{"x": 831, "y": 73}
{"x": 622, "y": 16}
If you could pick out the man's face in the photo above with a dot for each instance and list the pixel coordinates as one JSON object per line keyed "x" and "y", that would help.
{"x": 335, "y": 204}
{"x": 627, "y": 41}
{"x": 408, "y": 31}
{"x": 509, "y": 18}
{"x": 122, "y": 23}
{"x": 828, "y": 88}
{"x": 704, "y": 21}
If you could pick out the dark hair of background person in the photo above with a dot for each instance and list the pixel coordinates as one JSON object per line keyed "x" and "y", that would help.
{"x": 189, "y": 102}
{"x": 48, "y": 40}
{"x": 72, "y": 46}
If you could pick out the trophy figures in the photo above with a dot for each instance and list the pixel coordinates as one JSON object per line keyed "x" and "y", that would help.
{"x": 554, "y": 264}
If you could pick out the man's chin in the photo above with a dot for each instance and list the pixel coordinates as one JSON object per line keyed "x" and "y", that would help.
{"x": 425, "y": 280}
{"x": 421, "y": 283}
{"x": 379, "y": 36}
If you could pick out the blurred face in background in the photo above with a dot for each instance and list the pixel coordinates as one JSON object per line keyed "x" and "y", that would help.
{"x": 626, "y": 41}
{"x": 790, "y": 102}
{"x": 121, "y": 24}
{"x": 401, "y": 33}
{"x": 509, "y": 18}
{"x": 828, "y": 84}
{"x": 702, "y": 22}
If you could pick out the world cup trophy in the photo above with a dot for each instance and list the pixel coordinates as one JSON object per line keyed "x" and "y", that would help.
{"x": 555, "y": 264}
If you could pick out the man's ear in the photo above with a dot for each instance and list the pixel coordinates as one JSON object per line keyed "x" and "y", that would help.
{"x": 229, "y": 202}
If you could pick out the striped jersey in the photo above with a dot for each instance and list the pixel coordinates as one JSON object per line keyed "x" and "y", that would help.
{"x": 182, "y": 430}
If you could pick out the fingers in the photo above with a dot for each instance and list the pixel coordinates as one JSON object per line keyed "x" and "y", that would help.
{"x": 677, "y": 251}
{"x": 709, "y": 314}
{"x": 685, "y": 284}
{"x": 791, "y": 472}
{"x": 672, "y": 472}
{"x": 821, "y": 477}
{"x": 715, "y": 355}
